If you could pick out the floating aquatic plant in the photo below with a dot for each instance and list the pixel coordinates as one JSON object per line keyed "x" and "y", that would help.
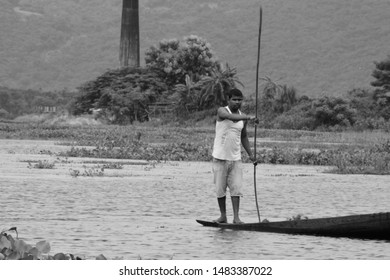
{"x": 17, "y": 249}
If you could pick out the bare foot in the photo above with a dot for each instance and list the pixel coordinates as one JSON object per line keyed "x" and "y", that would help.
{"x": 238, "y": 221}
{"x": 221, "y": 220}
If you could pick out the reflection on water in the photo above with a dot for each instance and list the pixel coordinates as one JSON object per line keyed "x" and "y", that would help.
{"x": 150, "y": 214}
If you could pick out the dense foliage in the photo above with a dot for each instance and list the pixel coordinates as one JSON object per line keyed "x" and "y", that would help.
{"x": 174, "y": 59}
{"x": 122, "y": 95}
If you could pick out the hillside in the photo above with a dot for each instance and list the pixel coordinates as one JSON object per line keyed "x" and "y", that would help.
{"x": 319, "y": 47}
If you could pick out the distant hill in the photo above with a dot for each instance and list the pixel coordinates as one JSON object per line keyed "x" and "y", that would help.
{"x": 319, "y": 47}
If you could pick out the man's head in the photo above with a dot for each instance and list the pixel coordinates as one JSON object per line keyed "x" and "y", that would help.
{"x": 235, "y": 98}
{"x": 235, "y": 93}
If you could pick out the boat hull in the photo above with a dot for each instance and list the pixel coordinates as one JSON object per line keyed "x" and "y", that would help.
{"x": 367, "y": 226}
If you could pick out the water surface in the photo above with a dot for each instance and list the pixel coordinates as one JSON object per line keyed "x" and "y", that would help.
{"x": 149, "y": 211}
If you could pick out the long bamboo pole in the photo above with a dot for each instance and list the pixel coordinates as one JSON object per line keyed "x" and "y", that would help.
{"x": 257, "y": 94}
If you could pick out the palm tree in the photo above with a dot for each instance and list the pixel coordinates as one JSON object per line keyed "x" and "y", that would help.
{"x": 280, "y": 97}
{"x": 186, "y": 97}
{"x": 271, "y": 89}
{"x": 215, "y": 86}
{"x": 129, "y": 52}
{"x": 288, "y": 98}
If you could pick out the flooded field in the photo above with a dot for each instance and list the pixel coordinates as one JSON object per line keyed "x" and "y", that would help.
{"x": 147, "y": 210}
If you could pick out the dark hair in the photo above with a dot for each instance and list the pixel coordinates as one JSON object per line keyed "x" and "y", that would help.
{"x": 234, "y": 92}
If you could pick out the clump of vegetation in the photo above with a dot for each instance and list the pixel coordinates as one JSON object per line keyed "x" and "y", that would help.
{"x": 111, "y": 165}
{"x": 74, "y": 173}
{"x": 17, "y": 249}
{"x": 278, "y": 155}
{"x": 375, "y": 160}
{"x": 88, "y": 172}
{"x": 42, "y": 164}
{"x": 93, "y": 171}
{"x": 298, "y": 218}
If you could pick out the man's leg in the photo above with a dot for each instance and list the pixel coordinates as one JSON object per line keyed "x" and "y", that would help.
{"x": 220, "y": 181}
{"x": 222, "y": 209}
{"x": 235, "y": 185}
{"x": 236, "y": 208}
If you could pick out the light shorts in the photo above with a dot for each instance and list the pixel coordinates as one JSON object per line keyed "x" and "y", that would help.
{"x": 227, "y": 174}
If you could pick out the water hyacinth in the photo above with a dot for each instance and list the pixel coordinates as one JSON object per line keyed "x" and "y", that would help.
{"x": 17, "y": 249}
{"x": 357, "y": 153}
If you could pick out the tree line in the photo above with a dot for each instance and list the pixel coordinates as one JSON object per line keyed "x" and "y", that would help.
{"x": 186, "y": 74}
{"x": 360, "y": 109}
{"x": 17, "y": 102}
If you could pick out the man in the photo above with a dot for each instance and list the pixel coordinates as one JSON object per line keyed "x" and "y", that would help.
{"x": 230, "y": 133}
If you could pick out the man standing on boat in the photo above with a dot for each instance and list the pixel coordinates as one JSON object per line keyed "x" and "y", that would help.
{"x": 230, "y": 134}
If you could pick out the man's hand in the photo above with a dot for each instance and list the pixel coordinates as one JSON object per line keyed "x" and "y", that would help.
{"x": 254, "y": 119}
{"x": 253, "y": 160}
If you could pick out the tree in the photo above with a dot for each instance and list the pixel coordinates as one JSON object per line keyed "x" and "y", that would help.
{"x": 186, "y": 97}
{"x": 382, "y": 75}
{"x": 382, "y": 83}
{"x": 363, "y": 102}
{"x": 125, "y": 106}
{"x": 207, "y": 93}
{"x": 3, "y": 113}
{"x": 215, "y": 86}
{"x": 173, "y": 59}
{"x": 331, "y": 111}
{"x": 4, "y": 99}
{"x": 129, "y": 53}
{"x": 278, "y": 98}
{"x": 123, "y": 94}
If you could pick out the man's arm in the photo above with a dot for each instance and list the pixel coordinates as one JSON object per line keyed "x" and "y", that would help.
{"x": 245, "y": 142}
{"x": 223, "y": 114}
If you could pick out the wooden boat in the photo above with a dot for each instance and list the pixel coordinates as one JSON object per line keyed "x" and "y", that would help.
{"x": 367, "y": 226}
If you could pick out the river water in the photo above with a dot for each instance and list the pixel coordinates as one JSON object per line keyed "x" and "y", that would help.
{"x": 148, "y": 211}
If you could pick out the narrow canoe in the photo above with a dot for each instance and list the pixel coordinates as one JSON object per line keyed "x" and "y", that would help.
{"x": 366, "y": 226}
